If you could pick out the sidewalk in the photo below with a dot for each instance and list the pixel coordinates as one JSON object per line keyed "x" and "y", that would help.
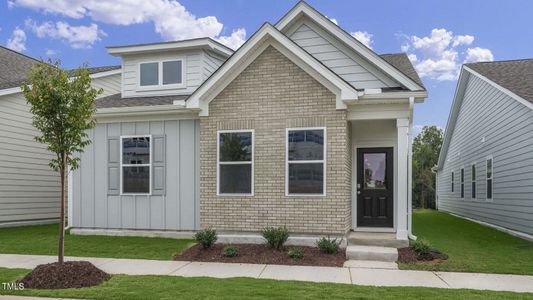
{"x": 359, "y": 276}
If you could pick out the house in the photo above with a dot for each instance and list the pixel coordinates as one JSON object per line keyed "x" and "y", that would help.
{"x": 303, "y": 126}
{"x": 29, "y": 189}
{"x": 485, "y": 169}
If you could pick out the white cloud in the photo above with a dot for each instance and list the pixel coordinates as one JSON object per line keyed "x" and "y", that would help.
{"x": 364, "y": 37}
{"x": 17, "y": 41}
{"x": 75, "y": 36}
{"x": 171, "y": 20}
{"x": 478, "y": 54}
{"x": 439, "y": 55}
{"x": 235, "y": 40}
{"x": 50, "y": 52}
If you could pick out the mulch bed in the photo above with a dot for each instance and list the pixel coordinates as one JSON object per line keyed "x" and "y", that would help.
{"x": 72, "y": 274}
{"x": 261, "y": 254}
{"x": 409, "y": 256}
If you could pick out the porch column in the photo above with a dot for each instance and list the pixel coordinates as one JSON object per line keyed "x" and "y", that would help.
{"x": 402, "y": 126}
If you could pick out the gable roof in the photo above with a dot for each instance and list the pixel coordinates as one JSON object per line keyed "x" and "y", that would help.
{"x": 514, "y": 75}
{"x": 14, "y": 67}
{"x": 266, "y": 36}
{"x": 401, "y": 62}
{"x": 302, "y": 8}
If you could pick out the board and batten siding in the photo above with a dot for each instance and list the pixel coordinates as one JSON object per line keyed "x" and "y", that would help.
{"x": 177, "y": 209}
{"x": 491, "y": 123}
{"x": 341, "y": 60}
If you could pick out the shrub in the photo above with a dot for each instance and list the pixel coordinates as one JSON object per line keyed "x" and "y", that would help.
{"x": 421, "y": 247}
{"x": 206, "y": 237}
{"x": 296, "y": 253}
{"x": 329, "y": 245}
{"x": 230, "y": 251}
{"x": 275, "y": 237}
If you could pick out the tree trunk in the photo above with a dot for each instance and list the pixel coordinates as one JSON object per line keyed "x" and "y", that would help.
{"x": 61, "y": 246}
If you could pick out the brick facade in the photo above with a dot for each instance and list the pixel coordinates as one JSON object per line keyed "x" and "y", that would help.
{"x": 270, "y": 95}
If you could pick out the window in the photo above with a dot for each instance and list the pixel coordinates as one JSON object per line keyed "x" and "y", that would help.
{"x": 453, "y": 181}
{"x": 135, "y": 164}
{"x": 305, "y": 169}
{"x": 462, "y": 183}
{"x": 489, "y": 178}
{"x": 474, "y": 186}
{"x": 235, "y": 162}
{"x": 161, "y": 73}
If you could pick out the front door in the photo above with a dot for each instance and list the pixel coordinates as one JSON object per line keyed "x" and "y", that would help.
{"x": 375, "y": 188}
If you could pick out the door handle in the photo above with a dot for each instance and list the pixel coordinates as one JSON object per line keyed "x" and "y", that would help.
{"x": 358, "y": 192}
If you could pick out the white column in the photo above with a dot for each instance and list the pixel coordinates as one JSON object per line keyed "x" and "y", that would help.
{"x": 402, "y": 126}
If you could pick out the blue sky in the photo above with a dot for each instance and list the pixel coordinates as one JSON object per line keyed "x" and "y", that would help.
{"x": 438, "y": 35}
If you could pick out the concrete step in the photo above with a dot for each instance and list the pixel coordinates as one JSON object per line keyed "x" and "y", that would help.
{"x": 370, "y": 264}
{"x": 378, "y": 239}
{"x": 386, "y": 254}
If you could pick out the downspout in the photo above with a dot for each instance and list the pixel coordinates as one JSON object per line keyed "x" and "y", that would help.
{"x": 410, "y": 172}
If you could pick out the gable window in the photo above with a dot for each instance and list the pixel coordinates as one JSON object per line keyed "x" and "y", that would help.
{"x": 161, "y": 73}
{"x": 136, "y": 164}
{"x": 474, "y": 185}
{"x": 489, "y": 178}
{"x": 235, "y": 162}
{"x": 462, "y": 183}
{"x": 453, "y": 181}
{"x": 305, "y": 166}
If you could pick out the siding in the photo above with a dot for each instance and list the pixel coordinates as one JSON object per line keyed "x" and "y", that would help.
{"x": 507, "y": 128}
{"x": 211, "y": 63}
{"x": 347, "y": 64}
{"x": 110, "y": 84}
{"x": 177, "y": 210}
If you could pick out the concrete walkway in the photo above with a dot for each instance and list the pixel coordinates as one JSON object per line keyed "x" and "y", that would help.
{"x": 348, "y": 275}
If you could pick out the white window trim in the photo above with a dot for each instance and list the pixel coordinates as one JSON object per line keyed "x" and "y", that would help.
{"x": 473, "y": 180}
{"x": 160, "y": 85}
{"x": 136, "y": 165}
{"x": 486, "y": 179}
{"x": 252, "y": 162}
{"x": 323, "y": 161}
{"x": 462, "y": 177}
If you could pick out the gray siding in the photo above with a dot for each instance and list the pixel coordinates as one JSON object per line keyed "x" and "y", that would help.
{"x": 176, "y": 210}
{"x": 110, "y": 84}
{"x": 491, "y": 123}
{"x": 211, "y": 63}
{"x": 345, "y": 62}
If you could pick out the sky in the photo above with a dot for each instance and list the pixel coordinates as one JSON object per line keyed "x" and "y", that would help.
{"x": 438, "y": 36}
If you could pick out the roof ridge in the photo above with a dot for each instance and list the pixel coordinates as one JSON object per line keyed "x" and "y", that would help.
{"x": 499, "y": 61}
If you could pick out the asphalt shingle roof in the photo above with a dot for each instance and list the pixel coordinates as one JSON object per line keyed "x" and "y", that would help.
{"x": 401, "y": 62}
{"x": 116, "y": 101}
{"x": 514, "y": 75}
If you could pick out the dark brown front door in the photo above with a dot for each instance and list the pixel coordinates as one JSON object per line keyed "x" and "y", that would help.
{"x": 374, "y": 187}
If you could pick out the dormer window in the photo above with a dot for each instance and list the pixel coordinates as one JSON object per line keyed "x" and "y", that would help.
{"x": 168, "y": 73}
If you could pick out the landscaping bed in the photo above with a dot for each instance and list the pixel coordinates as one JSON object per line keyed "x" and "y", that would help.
{"x": 262, "y": 254}
{"x": 73, "y": 274}
{"x": 408, "y": 255}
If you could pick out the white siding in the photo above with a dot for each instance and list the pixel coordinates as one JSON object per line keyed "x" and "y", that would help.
{"x": 506, "y": 126}
{"x": 211, "y": 63}
{"x": 110, "y": 84}
{"x": 341, "y": 60}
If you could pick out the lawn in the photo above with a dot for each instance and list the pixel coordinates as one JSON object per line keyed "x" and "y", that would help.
{"x": 42, "y": 240}
{"x": 471, "y": 247}
{"x": 169, "y": 287}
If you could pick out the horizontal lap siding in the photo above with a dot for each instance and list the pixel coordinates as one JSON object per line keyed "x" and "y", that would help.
{"x": 507, "y": 127}
{"x": 177, "y": 210}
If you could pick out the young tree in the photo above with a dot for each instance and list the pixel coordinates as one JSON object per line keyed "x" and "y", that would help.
{"x": 426, "y": 149}
{"x": 62, "y": 107}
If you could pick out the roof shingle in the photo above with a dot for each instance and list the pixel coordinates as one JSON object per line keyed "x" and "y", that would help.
{"x": 116, "y": 100}
{"x": 401, "y": 62}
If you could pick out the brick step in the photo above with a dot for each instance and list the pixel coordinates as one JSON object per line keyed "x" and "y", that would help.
{"x": 374, "y": 253}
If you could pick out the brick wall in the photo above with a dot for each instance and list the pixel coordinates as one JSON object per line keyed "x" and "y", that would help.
{"x": 270, "y": 95}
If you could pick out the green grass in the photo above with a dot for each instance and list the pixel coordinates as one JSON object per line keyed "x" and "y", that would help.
{"x": 42, "y": 240}
{"x": 471, "y": 247}
{"x": 170, "y": 287}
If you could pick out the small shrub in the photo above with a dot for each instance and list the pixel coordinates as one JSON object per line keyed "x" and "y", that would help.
{"x": 230, "y": 251}
{"x": 296, "y": 253}
{"x": 421, "y": 247}
{"x": 275, "y": 237}
{"x": 329, "y": 245}
{"x": 206, "y": 237}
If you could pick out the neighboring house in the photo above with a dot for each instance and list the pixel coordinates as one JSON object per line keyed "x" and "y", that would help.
{"x": 29, "y": 189}
{"x": 485, "y": 169}
{"x": 303, "y": 126}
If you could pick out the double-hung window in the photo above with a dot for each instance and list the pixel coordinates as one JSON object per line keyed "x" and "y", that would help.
{"x": 235, "y": 162}
{"x": 489, "y": 178}
{"x": 136, "y": 162}
{"x": 161, "y": 73}
{"x": 462, "y": 183}
{"x": 305, "y": 169}
{"x": 473, "y": 183}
